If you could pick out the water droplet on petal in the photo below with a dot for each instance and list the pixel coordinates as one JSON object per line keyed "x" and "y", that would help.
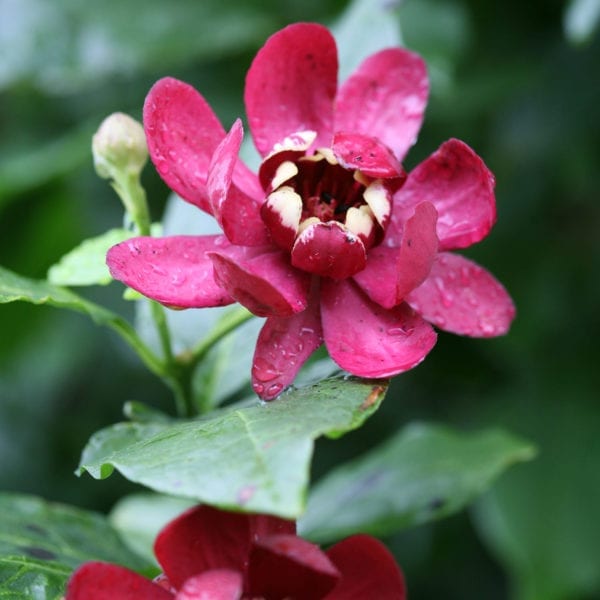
{"x": 274, "y": 390}
{"x": 486, "y": 327}
{"x": 158, "y": 270}
{"x": 178, "y": 278}
{"x": 438, "y": 319}
{"x": 264, "y": 371}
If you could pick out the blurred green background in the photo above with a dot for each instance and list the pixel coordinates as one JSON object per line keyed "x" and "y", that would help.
{"x": 518, "y": 81}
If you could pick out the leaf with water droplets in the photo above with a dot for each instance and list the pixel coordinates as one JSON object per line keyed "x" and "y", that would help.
{"x": 249, "y": 457}
{"x": 42, "y": 542}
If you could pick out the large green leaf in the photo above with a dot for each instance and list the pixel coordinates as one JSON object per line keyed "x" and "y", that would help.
{"x": 42, "y": 542}
{"x": 256, "y": 458}
{"x": 423, "y": 473}
{"x": 541, "y": 521}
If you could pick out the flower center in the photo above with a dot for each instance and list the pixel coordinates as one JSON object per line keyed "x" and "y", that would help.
{"x": 317, "y": 189}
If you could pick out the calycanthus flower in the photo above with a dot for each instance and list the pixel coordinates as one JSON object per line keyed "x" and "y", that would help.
{"x": 332, "y": 241}
{"x": 209, "y": 554}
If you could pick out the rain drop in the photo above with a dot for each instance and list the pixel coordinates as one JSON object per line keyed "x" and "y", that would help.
{"x": 487, "y": 328}
{"x": 158, "y": 270}
{"x": 178, "y": 278}
{"x": 274, "y": 390}
{"x": 264, "y": 371}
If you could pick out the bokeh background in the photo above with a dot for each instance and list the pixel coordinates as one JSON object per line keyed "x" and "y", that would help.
{"x": 518, "y": 81}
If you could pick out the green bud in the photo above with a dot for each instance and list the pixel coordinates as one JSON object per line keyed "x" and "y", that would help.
{"x": 119, "y": 147}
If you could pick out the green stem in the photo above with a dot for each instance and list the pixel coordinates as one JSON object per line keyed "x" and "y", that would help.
{"x": 230, "y": 321}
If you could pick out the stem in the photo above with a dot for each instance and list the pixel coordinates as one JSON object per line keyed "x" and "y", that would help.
{"x": 226, "y": 324}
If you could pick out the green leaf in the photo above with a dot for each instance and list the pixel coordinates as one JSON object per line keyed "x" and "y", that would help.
{"x": 14, "y": 287}
{"x": 423, "y": 473}
{"x": 254, "y": 458}
{"x": 42, "y": 542}
{"x": 541, "y": 521}
{"x": 86, "y": 264}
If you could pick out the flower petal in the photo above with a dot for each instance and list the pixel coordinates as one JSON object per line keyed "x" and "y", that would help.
{"x": 286, "y": 566}
{"x": 385, "y": 98}
{"x": 262, "y": 525}
{"x": 182, "y": 133}
{"x": 172, "y": 270}
{"x": 391, "y": 273}
{"x": 217, "y": 584}
{"x": 329, "y": 250}
{"x": 369, "y": 155}
{"x": 457, "y": 182}
{"x": 368, "y": 570}
{"x": 237, "y": 213}
{"x": 201, "y": 539}
{"x": 283, "y": 346}
{"x": 262, "y": 281}
{"x": 461, "y": 297}
{"x": 291, "y": 86}
{"x": 103, "y": 581}
{"x": 367, "y": 340}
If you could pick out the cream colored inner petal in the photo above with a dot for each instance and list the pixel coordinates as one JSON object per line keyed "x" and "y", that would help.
{"x": 361, "y": 178}
{"x": 376, "y": 196}
{"x": 359, "y": 221}
{"x": 307, "y": 223}
{"x": 285, "y": 171}
{"x": 288, "y": 205}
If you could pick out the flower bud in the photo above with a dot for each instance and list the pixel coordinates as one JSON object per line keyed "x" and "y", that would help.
{"x": 119, "y": 147}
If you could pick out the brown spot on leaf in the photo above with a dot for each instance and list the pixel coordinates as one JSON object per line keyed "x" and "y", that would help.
{"x": 376, "y": 391}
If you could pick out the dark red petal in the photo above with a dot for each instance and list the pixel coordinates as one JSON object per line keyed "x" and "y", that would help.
{"x": 290, "y": 149}
{"x": 218, "y": 584}
{"x": 368, "y": 571}
{"x": 262, "y": 281}
{"x": 329, "y": 250}
{"x": 291, "y": 86}
{"x": 368, "y": 340}
{"x": 201, "y": 539}
{"x": 173, "y": 270}
{"x": 262, "y": 525}
{"x": 461, "y": 297}
{"x": 103, "y": 581}
{"x": 182, "y": 133}
{"x": 283, "y": 345}
{"x": 457, "y": 182}
{"x": 391, "y": 273}
{"x": 286, "y": 566}
{"x": 385, "y": 98}
{"x": 237, "y": 213}
{"x": 370, "y": 156}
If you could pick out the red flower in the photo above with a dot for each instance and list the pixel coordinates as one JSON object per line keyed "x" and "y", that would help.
{"x": 332, "y": 242}
{"x": 208, "y": 554}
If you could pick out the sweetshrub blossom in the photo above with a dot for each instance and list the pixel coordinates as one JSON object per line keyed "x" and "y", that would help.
{"x": 332, "y": 241}
{"x": 208, "y": 554}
